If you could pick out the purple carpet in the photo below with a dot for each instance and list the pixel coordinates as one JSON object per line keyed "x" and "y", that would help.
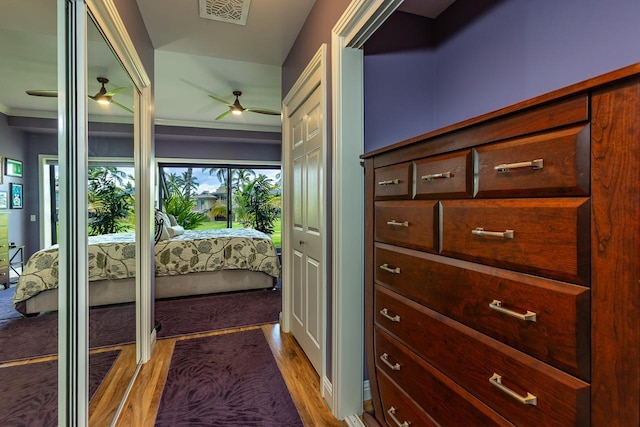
{"x": 216, "y": 312}
{"x": 226, "y": 380}
{"x": 30, "y": 392}
{"x": 24, "y": 338}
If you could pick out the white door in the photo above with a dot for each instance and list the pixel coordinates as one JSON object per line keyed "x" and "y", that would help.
{"x": 307, "y": 205}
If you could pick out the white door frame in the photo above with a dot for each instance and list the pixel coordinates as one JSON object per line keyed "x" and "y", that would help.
{"x": 356, "y": 25}
{"x": 73, "y": 301}
{"x": 314, "y": 76}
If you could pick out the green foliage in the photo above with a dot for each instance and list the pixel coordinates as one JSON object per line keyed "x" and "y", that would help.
{"x": 180, "y": 202}
{"x": 257, "y": 204}
{"x": 109, "y": 202}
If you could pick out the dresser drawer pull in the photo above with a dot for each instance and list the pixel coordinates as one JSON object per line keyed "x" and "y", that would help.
{"x": 479, "y": 231}
{"x": 529, "y": 399}
{"x": 534, "y": 164}
{"x": 497, "y": 306}
{"x": 398, "y": 224}
{"x": 392, "y": 414}
{"x": 386, "y": 267}
{"x": 389, "y": 182}
{"x": 385, "y": 359}
{"x": 433, "y": 176}
{"x": 385, "y": 313}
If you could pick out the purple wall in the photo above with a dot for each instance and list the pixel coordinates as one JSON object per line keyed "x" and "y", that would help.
{"x": 316, "y": 31}
{"x": 12, "y": 146}
{"x": 518, "y": 49}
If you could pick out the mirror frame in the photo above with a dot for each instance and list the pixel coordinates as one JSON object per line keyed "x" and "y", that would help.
{"x": 73, "y": 350}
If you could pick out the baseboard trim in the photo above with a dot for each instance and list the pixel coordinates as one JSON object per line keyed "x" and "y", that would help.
{"x": 354, "y": 421}
{"x": 327, "y": 392}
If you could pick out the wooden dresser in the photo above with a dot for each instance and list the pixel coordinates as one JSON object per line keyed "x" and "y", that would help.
{"x": 4, "y": 250}
{"x": 503, "y": 265}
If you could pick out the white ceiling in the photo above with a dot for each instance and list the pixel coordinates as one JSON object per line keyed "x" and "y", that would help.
{"x": 194, "y": 57}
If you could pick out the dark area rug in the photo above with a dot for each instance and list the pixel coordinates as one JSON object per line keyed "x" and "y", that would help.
{"x": 23, "y": 338}
{"x": 226, "y": 380}
{"x": 30, "y": 392}
{"x": 6, "y": 304}
{"x": 216, "y": 312}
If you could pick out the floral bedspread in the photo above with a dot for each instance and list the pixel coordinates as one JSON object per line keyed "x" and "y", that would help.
{"x": 112, "y": 256}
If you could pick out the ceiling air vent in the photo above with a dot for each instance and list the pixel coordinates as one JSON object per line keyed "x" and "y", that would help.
{"x": 233, "y": 11}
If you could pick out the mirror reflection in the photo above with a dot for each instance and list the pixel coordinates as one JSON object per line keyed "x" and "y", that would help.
{"x": 29, "y": 213}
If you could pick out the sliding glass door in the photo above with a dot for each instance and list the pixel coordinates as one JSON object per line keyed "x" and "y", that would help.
{"x": 224, "y": 196}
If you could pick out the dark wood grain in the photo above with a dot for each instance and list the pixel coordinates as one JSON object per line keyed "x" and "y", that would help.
{"x": 463, "y": 291}
{"x": 420, "y": 217}
{"x": 565, "y": 169}
{"x": 616, "y": 255}
{"x": 578, "y": 263}
{"x": 459, "y": 179}
{"x": 369, "y": 303}
{"x": 527, "y": 122}
{"x": 549, "y": 235}
{"x": 470, "y": 358}
{"x": 444, "y": 400}
{"x": 406, "y": 410}
{"x": 393, "y": 182}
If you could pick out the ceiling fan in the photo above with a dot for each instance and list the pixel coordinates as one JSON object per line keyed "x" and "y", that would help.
{"x": 103, "y": 96}
{"x": 236, "y": 108}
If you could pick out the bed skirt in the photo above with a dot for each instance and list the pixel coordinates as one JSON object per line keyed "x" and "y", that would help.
{"x": 105, "y": 292}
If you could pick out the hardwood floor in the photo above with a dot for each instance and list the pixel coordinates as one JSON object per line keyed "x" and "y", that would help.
{"x": 142, "y": 404}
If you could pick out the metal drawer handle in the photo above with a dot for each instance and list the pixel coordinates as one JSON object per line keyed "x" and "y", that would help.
{"x": 479, "y": 231}
{"x": 529, "y": 399}
{"x": 433, "y": 176}
{"x": 534, "y": 164}
{"x": 398, "y": 224}
{"x": 386, "y": 267}
{"x": 389, "y": 182}
{"x": 497, "y": 306}
{"x": 385, "y": 359}
{"x": 385, "y": 313}
{"x": 3, "y": 274}
{"x": 392, "y": 414}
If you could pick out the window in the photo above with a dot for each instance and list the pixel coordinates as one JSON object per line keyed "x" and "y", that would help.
{"x": 223, "y": 196}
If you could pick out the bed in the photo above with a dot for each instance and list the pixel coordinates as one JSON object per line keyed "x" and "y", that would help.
{"x": 193, "y": 263}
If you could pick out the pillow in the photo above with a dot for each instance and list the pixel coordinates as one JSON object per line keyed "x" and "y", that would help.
{"x": 175, "y": 230}
{"x": 161, "y": 222}
{"x": 172, "y": 220}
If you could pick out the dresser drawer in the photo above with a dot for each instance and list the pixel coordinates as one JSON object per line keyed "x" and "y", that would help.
{"x": 4, "y": 276}
{"x": 442, "y": 399}
{"x": 546, "y": 237}
{"x": 446, "y": 176}
{"x": 478, "y": 363}
{"x": 399, "y": 409}
{"x": 544, "y": 318}
{"x": 552, "y": 164}
{"x": 413, "y": 224}
{"x": 393, "y": 182}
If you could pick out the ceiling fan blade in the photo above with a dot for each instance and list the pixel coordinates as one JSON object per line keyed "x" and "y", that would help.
{"x": 223, "y": 115}
{"x": 45, "y": 93}
{"x": 263, "y": 111}
{"x": 122, "y": 106}
{"x": 117, "y": 90}
{"x": 220, "y": 100}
